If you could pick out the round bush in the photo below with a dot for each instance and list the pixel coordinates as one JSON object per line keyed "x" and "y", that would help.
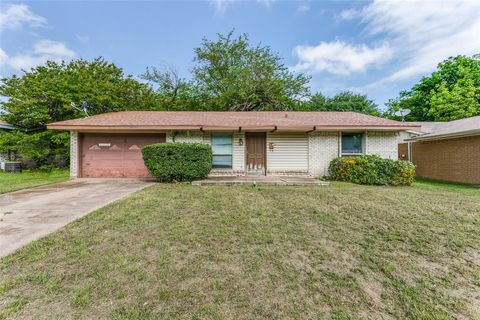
{"x": 174, "y": 161}
{"x": 372, "y": 170}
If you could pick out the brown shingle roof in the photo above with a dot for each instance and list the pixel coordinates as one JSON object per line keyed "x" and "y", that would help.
{"x": 158, "y": 120}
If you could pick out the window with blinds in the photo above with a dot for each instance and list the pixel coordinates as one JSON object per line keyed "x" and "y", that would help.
{"x": 222, "y": 146}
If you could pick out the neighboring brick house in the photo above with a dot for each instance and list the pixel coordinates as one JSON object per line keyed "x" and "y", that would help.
{"x": 273, "y": 143}
{"x": 448, "y": 151}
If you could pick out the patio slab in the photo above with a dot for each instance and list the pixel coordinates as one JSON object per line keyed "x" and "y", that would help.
{"x": 261, "y": 180}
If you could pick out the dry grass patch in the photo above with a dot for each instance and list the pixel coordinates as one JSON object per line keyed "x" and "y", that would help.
{"x": 179, "y": 251}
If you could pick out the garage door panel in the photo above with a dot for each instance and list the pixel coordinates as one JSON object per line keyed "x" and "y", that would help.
{"x": 116, "y": 155}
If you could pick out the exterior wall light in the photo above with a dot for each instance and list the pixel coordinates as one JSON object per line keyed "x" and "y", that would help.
{"x": 240, "y": 142}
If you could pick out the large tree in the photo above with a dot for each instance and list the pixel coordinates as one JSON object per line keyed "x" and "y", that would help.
{"x": 450, "y": 93}
{"x": 173, "y": 91}
{"x": 230, "y": 73}
{"x": 55, "y": 92}
{"x": 343, "y": 101}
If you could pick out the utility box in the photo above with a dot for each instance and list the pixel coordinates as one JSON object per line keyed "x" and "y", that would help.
{"x": 11, "y": 166}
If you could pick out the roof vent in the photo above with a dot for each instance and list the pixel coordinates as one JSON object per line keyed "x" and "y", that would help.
{"x": 286, "y": 115}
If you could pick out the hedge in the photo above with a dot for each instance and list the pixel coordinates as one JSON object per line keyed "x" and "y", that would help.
{"x": 372, "y": 170}
{"x": 174, "y": 161}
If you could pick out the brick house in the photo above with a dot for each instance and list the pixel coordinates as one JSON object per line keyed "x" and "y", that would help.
{"x": 267, "y": 143}
{"x": 448, "y": 151}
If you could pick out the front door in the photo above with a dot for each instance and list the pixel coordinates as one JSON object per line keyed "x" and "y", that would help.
{"x": 255, "y": 153}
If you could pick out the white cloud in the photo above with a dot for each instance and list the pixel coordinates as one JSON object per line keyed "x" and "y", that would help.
{"x": 424, "y": 33}
{"x": 83, "y": 39}
{"x": 15, "y": 15}
{"x": 266, "y": 3}
{"x": 303, "y": 8}
{"x": 42, "y": 51}
{"x": 3, "y": 57}
{"x": 348, "y": 14}
{"x": 221, "y": 5}
{"x": 52, "y": 48}
{"x": 340, "y": 58}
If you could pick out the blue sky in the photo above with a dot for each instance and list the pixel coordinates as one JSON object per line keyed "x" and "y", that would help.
{"x": 377, "y": 47}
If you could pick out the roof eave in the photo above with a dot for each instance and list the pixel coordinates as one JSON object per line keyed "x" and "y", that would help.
{"x": 461, "y": 134}
{"x": 113, "y": 128}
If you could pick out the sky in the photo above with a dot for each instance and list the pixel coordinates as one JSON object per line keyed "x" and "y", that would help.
{"x": 377, "y": 48}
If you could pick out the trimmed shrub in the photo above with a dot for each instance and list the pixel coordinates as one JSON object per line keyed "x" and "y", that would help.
{"x": 175, "y": 161}
{"x": 372, "y": 170}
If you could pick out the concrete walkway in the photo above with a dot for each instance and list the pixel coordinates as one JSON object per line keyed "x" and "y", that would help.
{"x": 30, "y": 214}
{"x": 262, "y": 180}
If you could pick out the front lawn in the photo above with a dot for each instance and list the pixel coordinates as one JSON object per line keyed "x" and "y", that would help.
{"x": 180, "y": 251}
{"x": 27, "y": 179}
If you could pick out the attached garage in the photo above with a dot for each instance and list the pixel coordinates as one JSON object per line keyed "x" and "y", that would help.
{"x": 109, "y": 155}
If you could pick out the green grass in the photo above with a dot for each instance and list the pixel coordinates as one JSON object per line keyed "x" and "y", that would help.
{"x": 179, "y": 251}
{"x": 444, "y": 185}
{"x": 15, "y": 181}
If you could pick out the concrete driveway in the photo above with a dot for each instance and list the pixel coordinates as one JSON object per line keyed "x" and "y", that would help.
{"x": 30, "y": 214}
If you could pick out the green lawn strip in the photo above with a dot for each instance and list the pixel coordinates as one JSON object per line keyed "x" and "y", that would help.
{"x": 180, "y": 251}
{"x": 16, "y": 181}
{"x": 444, "y": 185}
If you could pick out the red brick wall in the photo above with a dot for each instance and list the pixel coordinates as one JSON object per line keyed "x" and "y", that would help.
{"x": 456, "y": 160}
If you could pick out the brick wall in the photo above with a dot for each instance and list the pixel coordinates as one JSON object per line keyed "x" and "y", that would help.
{"x": 73, "y": 154}
{"x": 323, "y": 148}
{"x": 383, "y": 144}
{"x": 456, "y": 160}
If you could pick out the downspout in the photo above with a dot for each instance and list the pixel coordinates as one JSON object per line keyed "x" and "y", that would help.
{"x": 409, "y": 151}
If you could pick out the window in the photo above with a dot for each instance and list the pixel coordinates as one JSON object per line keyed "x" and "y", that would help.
{"x": 352, "y": 143}
{"x": 222, "y": 149}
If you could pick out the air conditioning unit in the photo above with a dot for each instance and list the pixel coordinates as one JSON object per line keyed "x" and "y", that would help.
{"x": 11, "y": 166}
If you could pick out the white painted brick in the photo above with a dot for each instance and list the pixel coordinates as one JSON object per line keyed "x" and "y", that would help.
{"x": 73, "y": 154}
{"x": 323, "y": 148}
{"x": 382, "y": 144}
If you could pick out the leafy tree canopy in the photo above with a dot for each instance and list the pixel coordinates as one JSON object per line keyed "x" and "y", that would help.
{"x": 343, "y": 101}
{"x": 55, "y": 92}
{"x": 173, "y": 92}
{"x": 450, "y": 93}
{"x": 231, "y": 74}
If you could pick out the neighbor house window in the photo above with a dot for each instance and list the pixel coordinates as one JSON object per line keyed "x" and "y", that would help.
{"x": 222, "y": 149}
{"x": 352, "y": 143}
